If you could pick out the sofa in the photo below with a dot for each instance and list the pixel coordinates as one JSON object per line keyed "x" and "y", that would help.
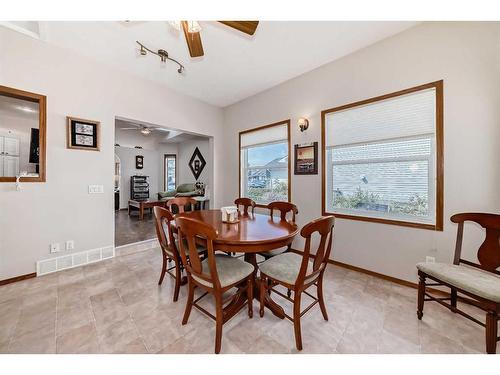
{"x": 183, "y": 190}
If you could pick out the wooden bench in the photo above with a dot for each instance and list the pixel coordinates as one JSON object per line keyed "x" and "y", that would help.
{"x": 478, "y": 283}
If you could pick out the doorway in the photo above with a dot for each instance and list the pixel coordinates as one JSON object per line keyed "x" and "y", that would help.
{"x": 151, "y": 164}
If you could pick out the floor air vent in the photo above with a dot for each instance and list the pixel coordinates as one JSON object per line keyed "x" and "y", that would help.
{"x": 64, "y": 262}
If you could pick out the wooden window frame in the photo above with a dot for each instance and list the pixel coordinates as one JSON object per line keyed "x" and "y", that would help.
{"x": 439, "y": 191}
{"x": 165, "y": 157}
{"x": 284, "y": 122}
{"x": 42, "y": 126}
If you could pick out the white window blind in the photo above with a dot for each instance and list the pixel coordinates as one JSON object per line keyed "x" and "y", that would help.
{"x": 381, "y": 159}
{"x": 271, "y": 134}
{"x": 402, "y": 116}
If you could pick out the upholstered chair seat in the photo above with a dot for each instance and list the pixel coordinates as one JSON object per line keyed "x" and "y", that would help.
{"x": 481, "y": 283}
{"x": 284, "y": 267}
{"x": 229, "y": 270}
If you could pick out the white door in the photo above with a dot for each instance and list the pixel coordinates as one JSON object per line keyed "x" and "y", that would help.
{"x": 11, "y": 146}
{"x": 10, "y": 166}
{"x": 1, "y": 148}
{"x": 1, "y": 165}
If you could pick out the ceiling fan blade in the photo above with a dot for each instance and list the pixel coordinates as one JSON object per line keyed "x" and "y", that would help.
{"x": 193, "y": 41}
{"x": 130, "y": 129}
{"x": 247, "y": 27}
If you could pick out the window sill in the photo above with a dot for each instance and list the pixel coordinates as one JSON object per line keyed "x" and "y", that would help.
{"x": 411, "y": 224}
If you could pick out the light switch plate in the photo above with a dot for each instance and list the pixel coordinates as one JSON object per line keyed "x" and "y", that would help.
{"x": 429, "y": 259}
{"x": 96, "y": 189}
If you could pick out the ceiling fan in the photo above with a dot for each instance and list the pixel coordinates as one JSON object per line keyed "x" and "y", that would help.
{"x": 145, "y": 130}
{"x": 192, "y": 32}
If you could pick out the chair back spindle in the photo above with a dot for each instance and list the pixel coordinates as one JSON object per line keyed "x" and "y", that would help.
{"x": 246, "y": 203}
{"x": 324, "y": 227}
{"x": 488, "y": 253}
{"x": 180, "y": 204}
{"x": 164, "y": 232}
{"x": 284, "y": 208}
{"x": 190, "y": 230}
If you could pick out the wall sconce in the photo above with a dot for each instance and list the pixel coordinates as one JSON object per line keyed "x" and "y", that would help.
{"x": 303, "y": 124}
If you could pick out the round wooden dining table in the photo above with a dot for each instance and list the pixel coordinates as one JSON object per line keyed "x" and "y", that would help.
{"x": 253, "y": 233}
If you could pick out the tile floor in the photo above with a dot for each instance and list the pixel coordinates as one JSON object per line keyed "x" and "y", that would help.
{"x": 116, "y": 306}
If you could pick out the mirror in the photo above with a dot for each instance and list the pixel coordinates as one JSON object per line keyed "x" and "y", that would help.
{"x": 22, "y": 135}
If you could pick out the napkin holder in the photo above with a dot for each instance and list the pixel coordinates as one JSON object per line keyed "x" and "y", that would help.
{"x": 230, "y": 214}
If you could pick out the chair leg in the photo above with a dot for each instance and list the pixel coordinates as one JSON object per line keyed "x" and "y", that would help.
{"x": 263, "y": 291}
{"x": 453, "y": 300}
{"x": 250, "y": 296}
{"x": 491, "y": 332}
{"x": 320, "y": 298}
{"x": 163, "y": 268}
{"x": 421, "y": 297}
{"x": 189, "y": 302}
{"x": 296, "y": 321}
{"x": 178, "y": 279}
{"x": 219, "y": 321}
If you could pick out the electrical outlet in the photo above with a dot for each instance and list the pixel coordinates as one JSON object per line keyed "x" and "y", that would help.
{"x": 54, "y": 248}
{"x": 96, "y": 189}
{"x": 70, "y": 245}
{"x": 429, "y": 259}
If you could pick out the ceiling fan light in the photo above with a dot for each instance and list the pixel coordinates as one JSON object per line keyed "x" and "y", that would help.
{"x": 146, "y": 131}
{"x": 193, "y": 27}
{"x": 175, "y": 24}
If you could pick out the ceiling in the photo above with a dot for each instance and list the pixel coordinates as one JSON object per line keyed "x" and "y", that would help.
{"x": 235, "y": 65}
{"x": 160, "y": 134}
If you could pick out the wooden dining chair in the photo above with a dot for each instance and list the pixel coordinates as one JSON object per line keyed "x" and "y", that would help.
{"x": 170, "y": 249}
{"x": 179, "y": 204}
{"x": 477, "y": 283}
{"x": 285, "y": 209}
{"x": 246, "y": 203}
{"x": 298, "y": 273}
{"x": 215, "y": 275}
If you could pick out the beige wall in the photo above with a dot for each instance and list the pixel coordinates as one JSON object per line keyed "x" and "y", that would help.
{"x": 61, "y": 209}
{"x": 467, "y": 57}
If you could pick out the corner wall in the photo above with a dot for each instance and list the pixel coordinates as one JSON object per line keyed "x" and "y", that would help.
{"x": 467, "y": 57}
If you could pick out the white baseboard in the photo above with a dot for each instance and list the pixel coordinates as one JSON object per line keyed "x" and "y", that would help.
{"x": 64, "y": 262}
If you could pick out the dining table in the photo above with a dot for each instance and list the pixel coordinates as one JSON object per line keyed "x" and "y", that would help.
{"x": 250, "y": 234}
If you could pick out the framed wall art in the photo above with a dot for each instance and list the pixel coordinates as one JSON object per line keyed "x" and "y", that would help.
{"x": 306, "y": 158}
{"x": 83, "y": 134}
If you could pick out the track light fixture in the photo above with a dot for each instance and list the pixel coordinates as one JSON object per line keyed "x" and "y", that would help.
{"x": 162, "y": 54}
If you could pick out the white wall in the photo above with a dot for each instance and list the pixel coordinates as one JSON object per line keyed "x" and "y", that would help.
{"x": 61, "y": 209}
{"x": 467, "y": 57}
{"x": 186, "y": 150}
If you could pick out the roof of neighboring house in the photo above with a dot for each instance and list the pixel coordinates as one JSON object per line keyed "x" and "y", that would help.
{"x": 280, "y": 162}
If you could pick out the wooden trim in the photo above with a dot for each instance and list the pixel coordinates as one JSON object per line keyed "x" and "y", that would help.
{"x": 287, "y": 122}
{"x": 165, "y": 157}
{"x": 374, "y": 274}
{"x": 438, "y": 226}
{"x": 42, "y": 126}
{"x": 68, "y": 134}
{"x": 18, "y": 278}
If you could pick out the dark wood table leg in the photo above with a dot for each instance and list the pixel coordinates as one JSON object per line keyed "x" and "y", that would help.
{"x": 141, "y": 211}
{"x": 276, "y": 309}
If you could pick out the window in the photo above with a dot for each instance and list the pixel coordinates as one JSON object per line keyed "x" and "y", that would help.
{"x": 382, "y": 158}
{"x": 170, "y": 165}
{"x": 265, "y": 163}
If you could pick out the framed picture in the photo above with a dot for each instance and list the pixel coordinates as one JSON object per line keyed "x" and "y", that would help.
{"x": 139, "y": 162}
{"x": 306, "y": 158}
{"x": 83, "y": 134}
{"x": 197, "y": 163}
